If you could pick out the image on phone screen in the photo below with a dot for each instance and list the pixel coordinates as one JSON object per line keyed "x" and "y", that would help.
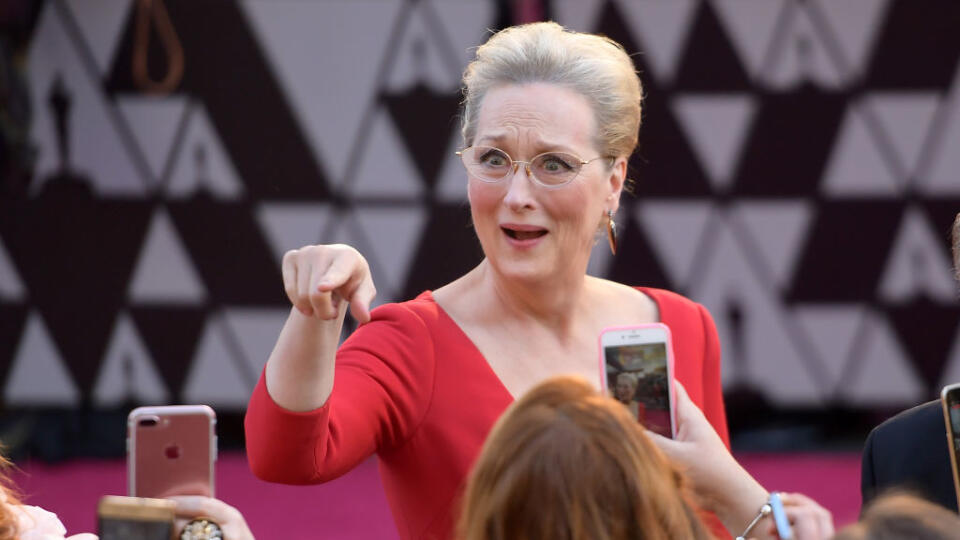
{"x": 637, "y": 377}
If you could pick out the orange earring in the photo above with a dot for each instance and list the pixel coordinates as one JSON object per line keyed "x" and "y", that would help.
{"x": 612, "y": 232}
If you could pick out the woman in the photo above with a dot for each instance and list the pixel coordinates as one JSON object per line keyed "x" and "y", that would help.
{"x": 550, "y": 119}
{"x": 626, "y": 393}
{"x": 565, "y": 462}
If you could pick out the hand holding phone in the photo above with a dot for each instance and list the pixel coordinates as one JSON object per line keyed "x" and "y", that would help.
{"x": 171, "y": 451}
{"x": 636, "y": 368}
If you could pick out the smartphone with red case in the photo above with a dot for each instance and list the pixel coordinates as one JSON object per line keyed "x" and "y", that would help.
{"x": 636, "y": 368}
{"x": 171, "y": 450}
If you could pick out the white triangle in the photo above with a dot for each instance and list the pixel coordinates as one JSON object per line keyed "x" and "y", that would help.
{"x": 942, "y": 175}
{"x": 385, "y": 167}
{"x": 778, "y": 230}
{"x": 101, "y": 23}
{"x": 256, "y": 330}
{"x": 918, "y": 263}
{"x": 884, "y": 376}
{"x": 772, "y": 360}
{"x": 153, "y": 122}
{"x": 750, "y": 24}
{"x": 803, "y": 55}
{"x": 127, "y": 370}
{"x": 97, "y": 150}
{"x": 675, "y": 230}
{"x": 452, "y": 180}
{"x": 855, "y": 26}
{"x": 951, "y": 373}
{"x": 579, "y": 15}
{"x": 717, "y": 126}
{"x": 393, "y": 236}
{"x": 200, "y": 161}
{"x": 292, "y": 225}
{"x": 831, "y": 330}
{"x": 465, "y": 25}
{"x": 214, "y": 377}
{"x": 38, "y": 375}
{"x": 662, "y": 27}
{"x": 165, "y": 272}
{"x": 420, "y": 56}
{"x": 857, "y": 166}
{"x": 906, "y": 119}
{"x": 328, "y": 98}
{"x": 11, "y": 288}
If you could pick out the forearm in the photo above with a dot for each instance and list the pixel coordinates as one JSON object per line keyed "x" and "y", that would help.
{"x": 300, "y": 370}
{"x": 738, "y": 500}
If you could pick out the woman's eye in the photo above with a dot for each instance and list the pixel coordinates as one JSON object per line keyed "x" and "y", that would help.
{"x": 493, "y": 159}
{"x": 555, "y": 164}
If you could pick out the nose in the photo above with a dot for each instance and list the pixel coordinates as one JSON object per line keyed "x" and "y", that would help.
{"x": 519, "y": 193}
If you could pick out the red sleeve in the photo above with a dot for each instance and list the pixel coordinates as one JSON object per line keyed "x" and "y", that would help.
{"x": 383, "y": 384}
{"x": 713, "y": 407}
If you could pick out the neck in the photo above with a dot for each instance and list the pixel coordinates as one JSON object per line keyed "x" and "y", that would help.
{"x": 554, "y": 304}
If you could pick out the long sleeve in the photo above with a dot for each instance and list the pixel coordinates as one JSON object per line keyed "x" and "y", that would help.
{"x": 383, "y": 384}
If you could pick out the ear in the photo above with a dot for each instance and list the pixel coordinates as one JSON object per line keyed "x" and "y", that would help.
{"x": 616, "y": 179}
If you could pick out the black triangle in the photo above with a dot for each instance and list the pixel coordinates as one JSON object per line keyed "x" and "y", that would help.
{"x": 13, "y": 319}
{"x": 447, "y": 250}
{"x": 846, "y": 251}
{"x": 76, "y": 255}
{"x": 171, "y": 334}
{"x": 927, "y": 331}
{"x": 790, "y": 143}
{"x": 425, "y": 120}
{"x": 906, "y": 57}
{"x": 709, "y": 62}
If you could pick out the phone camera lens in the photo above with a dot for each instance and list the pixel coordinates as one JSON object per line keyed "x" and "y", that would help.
{"x": 148, "y": 422}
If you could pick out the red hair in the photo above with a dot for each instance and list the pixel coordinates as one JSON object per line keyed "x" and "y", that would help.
{"x": 565, "y": 462}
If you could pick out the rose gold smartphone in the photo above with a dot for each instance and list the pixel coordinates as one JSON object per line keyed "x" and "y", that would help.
{"x": 171, "y": 451}
{"x": 950, "y": 398}
{"x": 636, "y": 369}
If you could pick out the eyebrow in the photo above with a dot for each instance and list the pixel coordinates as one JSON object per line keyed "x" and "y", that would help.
{"x": 541, "y": 146}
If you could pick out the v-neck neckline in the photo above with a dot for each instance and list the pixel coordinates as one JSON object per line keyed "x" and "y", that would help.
{"x": 450, "y": 321}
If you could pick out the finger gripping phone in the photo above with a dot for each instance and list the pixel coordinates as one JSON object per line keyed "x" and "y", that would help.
{"x": 171, "y": 450}
{"x": 636, "y": 369}
{"x": 135, "y": 518}
{"x": 950, "y": 398}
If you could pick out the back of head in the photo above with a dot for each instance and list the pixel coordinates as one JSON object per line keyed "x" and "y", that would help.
{"x": 903, "y": 517}
{"x": 594, "y": 66}
{"x": 567, "y": 463}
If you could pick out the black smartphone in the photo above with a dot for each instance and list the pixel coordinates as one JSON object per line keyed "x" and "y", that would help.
{"x": 135, "y": 518}
{"x": 950, "y": 398}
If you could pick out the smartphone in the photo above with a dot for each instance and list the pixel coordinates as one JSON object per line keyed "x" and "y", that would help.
{"x": 135, "y": 518}
{"x": 171, "y": 451}
{"x": 950, "y": 398}
{"x": 636, "y": 369}
{"x": 784, "y": 531}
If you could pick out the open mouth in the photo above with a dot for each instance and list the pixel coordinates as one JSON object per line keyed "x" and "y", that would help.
{"x": 524, "y": 235}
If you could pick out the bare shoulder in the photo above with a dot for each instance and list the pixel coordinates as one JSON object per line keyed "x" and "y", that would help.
{"x": 624, "y": 299}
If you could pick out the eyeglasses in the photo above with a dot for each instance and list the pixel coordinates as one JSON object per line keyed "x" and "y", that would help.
{"x": 550, "y": 169}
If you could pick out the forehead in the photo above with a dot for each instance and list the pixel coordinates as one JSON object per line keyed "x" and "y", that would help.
{"x": 538, "y": 113}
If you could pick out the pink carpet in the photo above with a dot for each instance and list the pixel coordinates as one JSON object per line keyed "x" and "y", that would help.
{"x": 354, "y": 507}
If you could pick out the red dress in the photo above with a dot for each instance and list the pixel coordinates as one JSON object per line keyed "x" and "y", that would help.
{"x": 412, "y": 387}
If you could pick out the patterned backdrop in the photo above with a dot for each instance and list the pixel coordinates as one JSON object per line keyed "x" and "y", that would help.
{"x": 798, "y": 171}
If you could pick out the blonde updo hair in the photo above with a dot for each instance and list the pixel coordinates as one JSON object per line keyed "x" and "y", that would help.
{"x": 594, "y": 66}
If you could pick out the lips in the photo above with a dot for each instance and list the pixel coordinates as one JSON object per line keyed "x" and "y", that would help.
{"x": 523, "y": 232}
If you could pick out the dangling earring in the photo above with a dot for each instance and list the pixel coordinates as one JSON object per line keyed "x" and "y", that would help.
{"x": 612, "y": 232}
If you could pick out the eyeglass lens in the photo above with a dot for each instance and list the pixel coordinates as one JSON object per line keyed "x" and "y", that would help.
{"x": 492, "y": 164}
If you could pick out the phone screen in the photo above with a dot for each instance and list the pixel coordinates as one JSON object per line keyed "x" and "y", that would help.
{"x": 131, "y": 529}
{"x": 637, "y": 377}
